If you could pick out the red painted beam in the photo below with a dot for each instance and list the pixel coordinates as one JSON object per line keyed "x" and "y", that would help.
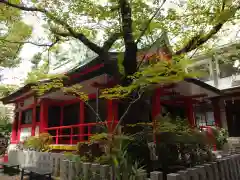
{"x": 24, "y": 96}
{"x": 87, "y": 70}
{"x": 109, "y": 84}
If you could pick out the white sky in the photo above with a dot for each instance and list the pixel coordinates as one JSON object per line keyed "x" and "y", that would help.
{"x": 16, "y": 75}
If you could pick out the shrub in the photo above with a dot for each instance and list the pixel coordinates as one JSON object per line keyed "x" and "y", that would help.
{"x": 38, "y": 143}
{"x": 178, "y": 146}
{"x": 221, "y": 136}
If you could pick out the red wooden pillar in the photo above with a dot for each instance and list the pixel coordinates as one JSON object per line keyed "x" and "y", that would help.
{"x": 14, "y": 130}
{"x": 19, "y": 125}
{"x": 81, "y": 128}
{"x": 110, "y": 116}
{"x": 61, "y": 119}
{"x": 115, "y": 111}
{"x": 216, "y": 112}
{"x": 156, "y": 108}
{"x": 190, "y": 112}
{"x": 156, "y": 104}
{"x": 43, "y": 116}
{"x": 34, "y": 120}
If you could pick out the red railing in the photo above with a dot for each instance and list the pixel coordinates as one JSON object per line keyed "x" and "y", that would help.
{"x": 58, "y": 135}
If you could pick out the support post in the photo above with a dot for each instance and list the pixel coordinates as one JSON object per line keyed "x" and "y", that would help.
{"x": 115, "y": 112}
{"x": 190, "y": 112}
{"x": 216, "y": 112}
{"x": 112, "y": 114}
{"x": 61, "y": 120}
{"x": 34, "y": 120}
{"x": 14, "y": 129}
{"x": 81, "y": 128}
{"x": 156, "y": 103}
{"x": 156, "y": 108}
{"x": 19, "y": 125}
{"x": 43, "y": 116}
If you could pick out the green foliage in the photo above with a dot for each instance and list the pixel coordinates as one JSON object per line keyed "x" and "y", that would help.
{"x": 110, "y": 149}
{"x": 120, "y": 63}
{"x": 167, "y": 124}
{"x": 5, "y": 90}
{"x": 5, "y": 132}
{"x": 102, "y": 17}
{"x": 12, "y": 31}
{"x": 38, "y": 143}
{"x": 161, "y": 72}
{"x": 177, "y": 130}
{"x": 99, "y": 137}
{"x": 39, "y": 73}
{"x": 178, "y": 146}
{"x": 5, "y": 126}
{"x": 221, "y": 136}
{"x": 55, "y": 82}
{"x": 76, "y": 91}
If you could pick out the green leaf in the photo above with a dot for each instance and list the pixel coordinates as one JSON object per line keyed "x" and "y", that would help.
{"x": 225, "y": 15}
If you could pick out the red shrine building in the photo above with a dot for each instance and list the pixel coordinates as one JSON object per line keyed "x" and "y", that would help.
{"x": 69, "y": 120}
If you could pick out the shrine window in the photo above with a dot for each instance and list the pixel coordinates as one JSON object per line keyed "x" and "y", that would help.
{"x": 27, "y": 116}
{"x": 38, "y": 114}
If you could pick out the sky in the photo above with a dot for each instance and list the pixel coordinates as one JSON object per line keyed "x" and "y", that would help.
{"x": 17, "y": 75}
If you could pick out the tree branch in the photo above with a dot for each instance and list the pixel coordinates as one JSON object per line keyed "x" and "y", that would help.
{"x": 95, "y": 48}
{"x": 29, "y": 42}
{"x": 199, "y": 39}
{"x": 125, "y": 113}
{"x": 108, "y": 43}
{"x": 149, "y": 21}
{"x": 70, "y": 32}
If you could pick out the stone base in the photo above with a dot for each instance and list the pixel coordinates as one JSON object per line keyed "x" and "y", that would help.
{"x": 11, "y": 147}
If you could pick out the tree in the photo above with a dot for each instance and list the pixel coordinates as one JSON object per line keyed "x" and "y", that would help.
{"x": 5, "y": 90}
{"x": 13, "y": 33}
{"x": 130, "y": 24}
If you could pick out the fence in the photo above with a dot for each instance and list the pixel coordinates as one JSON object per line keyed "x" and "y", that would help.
{"x": 227, "y": 168}
{"x": 73, "y": 136}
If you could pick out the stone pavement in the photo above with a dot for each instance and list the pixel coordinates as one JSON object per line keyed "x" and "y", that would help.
{"x": 5, "y": 177}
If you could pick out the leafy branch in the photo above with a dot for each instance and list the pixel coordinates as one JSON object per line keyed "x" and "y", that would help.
{"x": 33, "y": 43}
{"x": 69, "y": 30}
{"x": 200, "y": 39}
{"x": 149, "y": 21}
{"x": 139, "y": 95}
